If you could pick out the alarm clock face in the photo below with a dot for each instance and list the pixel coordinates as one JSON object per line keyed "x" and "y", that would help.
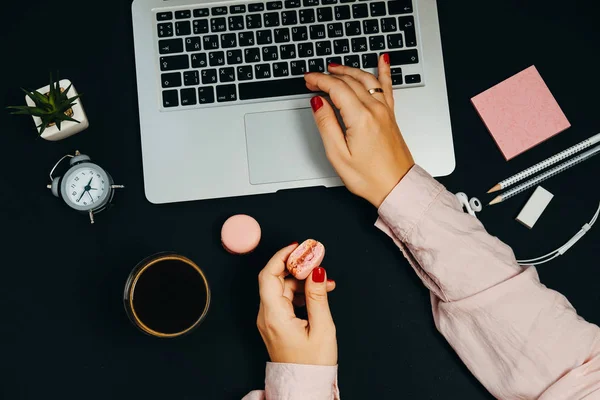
{"x": 85, "y": 187}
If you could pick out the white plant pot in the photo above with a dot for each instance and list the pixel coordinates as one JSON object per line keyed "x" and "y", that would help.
{"x": 67, "y": 128}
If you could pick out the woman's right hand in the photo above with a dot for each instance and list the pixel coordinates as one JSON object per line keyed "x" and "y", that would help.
{"x": 372, "y": 157}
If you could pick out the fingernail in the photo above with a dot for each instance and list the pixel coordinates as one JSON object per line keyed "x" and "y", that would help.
{"x": 306, "y": 73}
{"x": 330, "y": 280}
{"x": 332, "y": 64}
{"x": 316, "y": 103}
{"x": 386, "y": 58}
{"x": 293, "y": 244}
{"x": 318, "y": 275}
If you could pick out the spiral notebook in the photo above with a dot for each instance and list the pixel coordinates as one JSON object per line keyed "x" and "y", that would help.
{"x": 520, "y": 113}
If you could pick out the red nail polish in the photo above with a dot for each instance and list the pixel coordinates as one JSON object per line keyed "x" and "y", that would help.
{"x": 318, "y": 275}
{"x": 330, "y": 280}
{"x": 316, "y": 103}
{"x": 332, "y": 64}
{"x": 293, "y": 243}
{"x": 386, "y": 58}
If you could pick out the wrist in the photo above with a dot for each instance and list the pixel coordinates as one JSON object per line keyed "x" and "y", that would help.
{"x": 386, "y": 188}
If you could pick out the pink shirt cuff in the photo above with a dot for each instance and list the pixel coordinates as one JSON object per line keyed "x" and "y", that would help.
{"x": 301, "y": 382}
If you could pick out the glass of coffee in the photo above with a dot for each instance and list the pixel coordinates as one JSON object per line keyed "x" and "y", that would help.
{"x": 166, "y": 296}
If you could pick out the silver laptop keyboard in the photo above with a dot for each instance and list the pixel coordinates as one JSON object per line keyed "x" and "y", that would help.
{"x": 259, "y": 51}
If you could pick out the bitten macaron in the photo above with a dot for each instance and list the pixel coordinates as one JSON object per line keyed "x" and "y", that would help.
{"x": 240, "y": 234}
{"x": 308, "y": 256}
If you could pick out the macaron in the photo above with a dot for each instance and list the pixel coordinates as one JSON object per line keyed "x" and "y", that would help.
{"x": 305, "y": 258}
{"x": 240, "y": 234}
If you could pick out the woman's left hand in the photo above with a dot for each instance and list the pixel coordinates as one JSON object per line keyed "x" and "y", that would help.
{"x": 288, "y": 338}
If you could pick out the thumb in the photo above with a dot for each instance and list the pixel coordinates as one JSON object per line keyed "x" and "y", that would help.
{"x": 317, "y": 306}
{"x": 329, "y": 128}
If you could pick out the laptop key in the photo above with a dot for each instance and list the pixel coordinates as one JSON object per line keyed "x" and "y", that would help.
{"x": 271, "y": 19}
{"x": 253, "y": 21}
{"x": 316, "y": 65}
{"x": 377, "y": 43}
{"x": 397, "y": 80}
{"x": 395, "y": 41}
{"x": 282, "y": 35}
{"x": 170, "y": 46}
{"x": 264, "y": 37}
{"x": 270, "y": 53}
{"x": 353, "y": 28}
{"x": 273, "y": 88}
{"x": 228, "y": 40}
{"x": 191, "y": 78}
{"x": 209, "y": 76}
{"x": 172, "y": 63}
{"x": 281, "y": 69}
{"x": 307, "y": 16}
{"x": 359, "y": 45}
{"x": 201, "y": 12}
{"x": 227, "y": 74}
{"x": 206, "y": 95}
{"x": 407, "y": 24}
{"x": 165, "y": 29}
{"x": 333, "y": 60}
{"x": 164, "y": 16}
{"x": 239, "y": 9}
{"x": 183, "y": 14}
{"x": 377, "y": 9}
{"x": 246, "y": 38}
{"x": 299, "y": 33}
{"x": 371, "y": 26}
{"x": 289, "y": 18}
{"x": 236, "y": 23}
{"x": 292, "y": 3}
{"x": 352, "y": 61}
{"x": 310, "y": 3}
{"x": 413, "y": 79}
{"x": 335, "y": 30}
{"x": 298, "y": 67}
{"x": 317, "y": 32}
{"x": 170, "y": 80}
{"x": 389, "y": 25}
{"x": 234, "y": 57}
{"x": 341, "y": 46}
{"x": 323, "y": 48}
{"x": 199, "y": 60}
{"x": 218, "y": 24}
{"x": 327, "y": 2}
{"x": 192, "y": 44}
{"x": 183, "y": 28}
{"x": 360, "y": 11}
{"x": 244, "y": 73}
{"x": 402, "y": 57}
{"x": 342, "y": 12}
{"x": 400, "y": 7}
{"x": 170, "y": 98}
{"x": 306, "y": 50}
{"x": 262, "y": 71}
{"x": 252, "y": 55}
{"x": 216, "y": 58}
{"x": 255, "y": 7}
{"x": 324, "y": 14}
{"x": 188, "y": 97}
{"x": 274, "y": 5}
{"x": 287, "y": 51}
{"x": 370, "y": 60}
{"x": 226, "y": 93}
{"x": 210, "y": 42}
{"x": 200, "y": 26}
{"x": 219, "y": 11}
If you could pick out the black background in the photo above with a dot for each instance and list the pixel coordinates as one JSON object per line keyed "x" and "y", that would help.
{"x": 63, "y": 330}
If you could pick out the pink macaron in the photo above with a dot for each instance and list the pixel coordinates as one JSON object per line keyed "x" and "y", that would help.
{"x": 305, "y": 258}
{"x": 240, "y": 234}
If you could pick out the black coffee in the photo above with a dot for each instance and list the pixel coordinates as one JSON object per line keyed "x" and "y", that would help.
{"x": 169, "y": 296}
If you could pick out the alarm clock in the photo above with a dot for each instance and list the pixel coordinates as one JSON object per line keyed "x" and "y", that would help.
{"x": 85, "y": 187}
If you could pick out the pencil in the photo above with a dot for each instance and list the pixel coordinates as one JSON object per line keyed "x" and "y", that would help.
{"x": 546, "y": 175}
{"x": 546, "y": 163}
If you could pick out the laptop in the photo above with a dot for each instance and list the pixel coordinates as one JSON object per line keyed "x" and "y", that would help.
{"x": 224, "y": 110}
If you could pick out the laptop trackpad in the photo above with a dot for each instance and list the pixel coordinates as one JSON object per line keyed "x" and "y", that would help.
{"x": 285, "y": 146}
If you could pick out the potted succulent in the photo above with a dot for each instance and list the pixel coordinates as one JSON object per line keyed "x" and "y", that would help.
{"x": 54, "y": 110}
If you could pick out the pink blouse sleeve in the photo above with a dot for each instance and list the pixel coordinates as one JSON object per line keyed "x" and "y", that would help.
{"x": 298, "y": 382}
{"x": 519, "y": 338}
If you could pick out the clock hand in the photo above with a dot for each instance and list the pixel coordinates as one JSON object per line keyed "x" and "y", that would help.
{"x": 90, "y": 182}
{"x": 91, "y": 196}
{"x": 80, "y": 197}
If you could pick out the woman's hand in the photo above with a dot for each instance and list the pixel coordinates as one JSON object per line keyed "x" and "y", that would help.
{"x": 288, "y": 338}
{"x": 372, "y": 157}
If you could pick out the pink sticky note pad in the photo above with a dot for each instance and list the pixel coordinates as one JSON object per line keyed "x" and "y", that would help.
{"x": 520, "y": 112}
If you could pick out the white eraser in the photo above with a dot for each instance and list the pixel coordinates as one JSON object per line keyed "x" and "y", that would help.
{"x": 535, "y": 207}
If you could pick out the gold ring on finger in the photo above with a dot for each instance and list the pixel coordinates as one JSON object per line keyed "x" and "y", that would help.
{"x": 375, "y": 90}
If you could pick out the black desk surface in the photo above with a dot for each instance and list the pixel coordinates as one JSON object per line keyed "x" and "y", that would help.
{"x": 63, "y": 330}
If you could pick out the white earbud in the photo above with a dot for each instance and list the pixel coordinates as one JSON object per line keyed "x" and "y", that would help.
{"x": 471, "y": 206}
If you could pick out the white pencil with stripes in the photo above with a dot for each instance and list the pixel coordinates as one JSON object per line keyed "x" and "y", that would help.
{"x": 546, "y": 175}
{"x": 546, "y": 163}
